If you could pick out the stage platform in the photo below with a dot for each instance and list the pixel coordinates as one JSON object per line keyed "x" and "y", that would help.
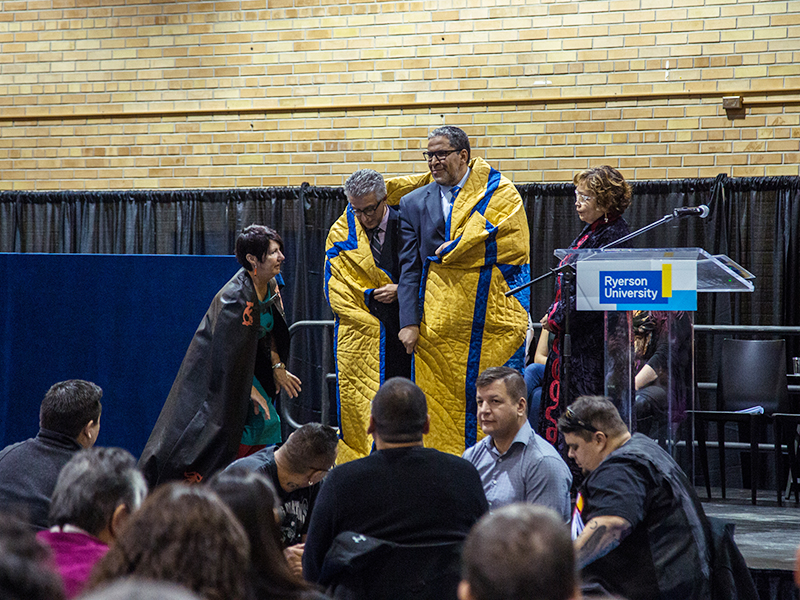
{"x": 767, "y": 535}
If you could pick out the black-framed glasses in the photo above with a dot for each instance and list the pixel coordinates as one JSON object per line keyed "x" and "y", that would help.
{"x": 367, "y": 212}
{"x": 575, "y": 421}
{"x": 439, "y": 155}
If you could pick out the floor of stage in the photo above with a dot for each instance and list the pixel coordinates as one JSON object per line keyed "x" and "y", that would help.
{"x": 768, "y": 535}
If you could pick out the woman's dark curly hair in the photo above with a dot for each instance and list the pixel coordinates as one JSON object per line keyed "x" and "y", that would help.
{"x": 185, "y": 535}
{"x": 608, "y": 187}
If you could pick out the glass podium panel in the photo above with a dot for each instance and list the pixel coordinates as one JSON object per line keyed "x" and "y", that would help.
{"x": 649, "y": 354}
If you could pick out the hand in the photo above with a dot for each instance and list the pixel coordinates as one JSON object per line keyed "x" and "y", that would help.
{"x": 441, "y": 248}
{"x": 294, "y": 556}
{"x": 287, "y": 382}
{"x": 409, "y": 335}
{"x": 544, "y": 322}
{"x": 386, "y": 294}
{"x": 259, "y": 400}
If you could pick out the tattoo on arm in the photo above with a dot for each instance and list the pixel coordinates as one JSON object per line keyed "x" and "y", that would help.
{"x": 597, "y": 540}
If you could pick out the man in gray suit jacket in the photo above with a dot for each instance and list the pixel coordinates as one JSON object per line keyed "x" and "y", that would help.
{"x": 423, "y": 222}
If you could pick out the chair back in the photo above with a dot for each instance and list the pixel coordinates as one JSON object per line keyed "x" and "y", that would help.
{"x": 753, "y": 373}
{"x": 387, "y": 571}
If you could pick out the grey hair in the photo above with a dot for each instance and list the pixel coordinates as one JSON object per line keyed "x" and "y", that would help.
{"x": 457, "y": 138}
{"x": 363, "y": 182}
{"x": 92, "y": 485}
{"x": 134, "y": 588}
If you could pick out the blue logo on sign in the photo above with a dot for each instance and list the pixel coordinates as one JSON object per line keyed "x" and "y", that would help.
{"x": 631, "y": 287}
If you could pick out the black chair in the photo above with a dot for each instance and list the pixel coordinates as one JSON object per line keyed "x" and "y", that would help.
{"x": 752, "y": 373}
{"x": 360, "y": 567}
{"x": 786, "y": 432}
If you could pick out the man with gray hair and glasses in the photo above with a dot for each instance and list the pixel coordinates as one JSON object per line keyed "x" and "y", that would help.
{"x": 361, "y": 274}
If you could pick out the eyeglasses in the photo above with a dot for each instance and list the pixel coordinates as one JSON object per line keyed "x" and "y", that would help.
{"x": 582, "y": 198}
{"x": 439, "y": 155}
{"x": 367, "y": 212}
{"x": 574, "y": 421}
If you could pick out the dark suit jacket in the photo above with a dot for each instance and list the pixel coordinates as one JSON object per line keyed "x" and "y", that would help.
{"x": 422, "y": 231}
{"x": 398, "y": 363}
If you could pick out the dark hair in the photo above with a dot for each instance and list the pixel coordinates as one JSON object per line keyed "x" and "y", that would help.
{"x": 595, "y": 411}
{"x": 515, "y": 384}
{"x": 313, "y": 446}
{"x": 609, "y": 188}
{"x": 457, "y": 138}
{"x": 92, "y": 485}
{"x": 24, "y": 573}
{"x": 520, "y": 552}
{"x": 186, "y": 535}
{"x": 255, "y": 239}
{"x": 399, "y": 411}
{"x": 252, "y": 498}
{"x": 134, "y": 588}
{"x": 68, "y": 406}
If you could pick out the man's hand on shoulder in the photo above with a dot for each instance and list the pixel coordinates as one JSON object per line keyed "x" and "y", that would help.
{"x": 386, "y": 294}
{"x": 409, "y": 335}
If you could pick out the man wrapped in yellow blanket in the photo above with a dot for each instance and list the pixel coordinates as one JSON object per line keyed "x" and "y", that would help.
{"x": 361, "y": 273}
{"x": 465, "y": 242}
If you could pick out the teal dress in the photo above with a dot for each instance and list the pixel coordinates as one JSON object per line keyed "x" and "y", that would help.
{"x": 263, "y": 429}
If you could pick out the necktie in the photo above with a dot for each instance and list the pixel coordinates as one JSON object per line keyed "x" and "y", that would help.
{"x": 375, "y": 243}
{"x": 453, "y": 193}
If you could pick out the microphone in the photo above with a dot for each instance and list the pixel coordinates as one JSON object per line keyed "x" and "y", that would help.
{"x": 701, "y": 211}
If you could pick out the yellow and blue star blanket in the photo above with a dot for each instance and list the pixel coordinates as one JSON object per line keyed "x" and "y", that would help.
{"x": 360, "y": 338}
{"x": 468, "y": 323}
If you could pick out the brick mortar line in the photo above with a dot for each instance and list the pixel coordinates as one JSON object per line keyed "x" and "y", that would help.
{"x": 99, "y": 114}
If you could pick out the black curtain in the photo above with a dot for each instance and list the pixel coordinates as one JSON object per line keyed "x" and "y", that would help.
{"x": 755, "y": 221}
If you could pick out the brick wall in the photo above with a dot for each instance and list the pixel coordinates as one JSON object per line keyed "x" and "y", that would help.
{"x": 117, "y": 94}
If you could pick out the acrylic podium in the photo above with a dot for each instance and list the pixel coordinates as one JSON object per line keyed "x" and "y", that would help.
{"x": 648, "y": 297}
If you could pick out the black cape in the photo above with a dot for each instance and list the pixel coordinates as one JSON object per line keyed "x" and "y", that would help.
{"x": 200, "y": 427}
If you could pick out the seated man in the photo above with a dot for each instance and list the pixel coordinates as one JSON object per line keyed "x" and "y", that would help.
{"x": 69, "y": 420}
{"x": 25, "y": 572}
{"x": 519, "y": 552}
{"x": 639, "y": 529}
{"x": 515, "y": 464}
{"x": 95, "y": 493}
{"x": 296, "y": 469}
{"x": 403, "y": 492}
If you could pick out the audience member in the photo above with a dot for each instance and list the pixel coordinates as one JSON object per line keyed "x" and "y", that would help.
{"x": 252, "y": 498}
{"x": 296, "y": 469}
{"x": 519, "y": 552}
{"x": 182, "y": 534}
{"x": 69, "y": 420}
{"x": 24, "y": 572}
{"x": 515, "y": 464}
{"x": 403, "y": 492}
{"x": 95, "y": 493}
{"x": 132, "y": 588}
{"x": 639, "y": 527}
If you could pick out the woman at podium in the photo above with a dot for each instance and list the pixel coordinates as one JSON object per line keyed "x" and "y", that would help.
{"x": 601, "y": 197}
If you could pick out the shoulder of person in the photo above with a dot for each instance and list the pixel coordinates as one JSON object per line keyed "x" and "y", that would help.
{"x": 417, "y": 195}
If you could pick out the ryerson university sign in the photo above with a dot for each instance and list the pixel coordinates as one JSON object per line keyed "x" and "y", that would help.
{"x": 617, "y": 284}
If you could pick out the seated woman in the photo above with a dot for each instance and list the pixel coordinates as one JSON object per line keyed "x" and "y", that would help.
{"x": 185, "y": 535}
{"x": 253, "y": 500}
